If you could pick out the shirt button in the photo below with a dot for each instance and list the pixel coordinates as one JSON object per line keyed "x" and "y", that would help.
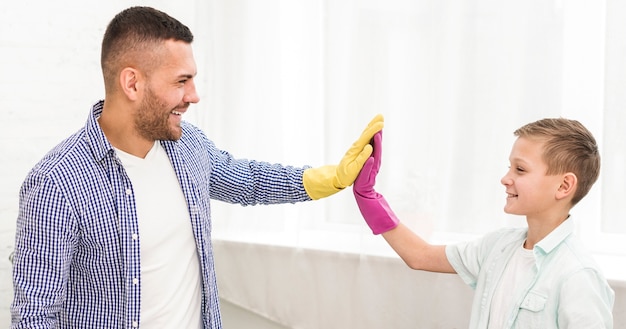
{"x": 135, "y": 324}
{"x": 129, "y": 191}
{"x": 135, "y": 236}
{"x": 135, "y": 281}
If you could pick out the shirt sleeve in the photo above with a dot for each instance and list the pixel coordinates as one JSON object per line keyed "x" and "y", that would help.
{"x": 467, "y": 258}
{"x": 251, "y": 182}
{"x": 585, "y": 302}
{"x": 464, "y": 259}
{"x": 43, "y": 251}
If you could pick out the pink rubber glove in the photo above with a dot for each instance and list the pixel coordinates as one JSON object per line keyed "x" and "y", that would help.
{"x": 373, "y": 206}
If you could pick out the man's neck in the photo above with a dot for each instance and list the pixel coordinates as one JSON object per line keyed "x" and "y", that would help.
{"x": 121, "y": 134}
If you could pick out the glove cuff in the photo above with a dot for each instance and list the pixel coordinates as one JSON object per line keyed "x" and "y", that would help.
{"x": 319, "y": 182}
{"x": 377, "y": 213}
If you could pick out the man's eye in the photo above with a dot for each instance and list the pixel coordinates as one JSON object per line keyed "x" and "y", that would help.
{"x": 519, "y": 169}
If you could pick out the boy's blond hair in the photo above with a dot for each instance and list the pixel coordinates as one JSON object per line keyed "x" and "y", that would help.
{"x": 569, "y": 147}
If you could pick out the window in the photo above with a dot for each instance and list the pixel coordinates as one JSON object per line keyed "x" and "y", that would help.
{"x": 453, "y": 79}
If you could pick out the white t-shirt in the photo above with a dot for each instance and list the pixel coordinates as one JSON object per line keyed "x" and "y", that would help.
{"x": 515, "y": 279}
{"x": 170, "y": 268}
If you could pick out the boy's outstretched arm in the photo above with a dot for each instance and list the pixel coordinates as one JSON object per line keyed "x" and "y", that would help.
{"x": 415, "y": 251}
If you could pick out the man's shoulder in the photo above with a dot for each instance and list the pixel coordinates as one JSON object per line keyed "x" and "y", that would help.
{"x": 193, "y": 136}
{"x": 191, "y": 128}
{"x": 67, "y": 155}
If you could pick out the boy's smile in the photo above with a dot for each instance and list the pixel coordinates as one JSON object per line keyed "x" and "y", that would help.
{"x": 529, "y": 190}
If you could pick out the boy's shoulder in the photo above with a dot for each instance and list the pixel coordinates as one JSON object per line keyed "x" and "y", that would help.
{"x": 492, "y": 244}
{"x": 572, "y": 256}
{"x": 505, "y": 235}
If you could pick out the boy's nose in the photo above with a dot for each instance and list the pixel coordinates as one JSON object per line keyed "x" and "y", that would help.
{"x": 505, "y": 180}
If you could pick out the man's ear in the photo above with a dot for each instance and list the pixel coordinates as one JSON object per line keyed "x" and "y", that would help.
{"x": 129, "y": 81}
{"x": 568, "y": 186}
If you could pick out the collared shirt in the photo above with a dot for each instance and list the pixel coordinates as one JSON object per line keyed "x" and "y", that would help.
{"x": 568, "y": 289}
{"x": 77, "y": 261}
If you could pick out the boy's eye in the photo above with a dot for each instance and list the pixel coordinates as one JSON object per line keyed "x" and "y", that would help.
{"x": 519, "y": 169}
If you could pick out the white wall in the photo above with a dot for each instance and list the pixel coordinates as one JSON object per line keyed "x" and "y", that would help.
{"x": 237, "y": 317}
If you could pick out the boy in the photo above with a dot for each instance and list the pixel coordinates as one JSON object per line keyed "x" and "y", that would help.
{"x": 535, "y": 277}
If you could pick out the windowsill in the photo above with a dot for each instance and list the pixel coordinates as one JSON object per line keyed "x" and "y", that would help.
{"x": 613, "y": 265}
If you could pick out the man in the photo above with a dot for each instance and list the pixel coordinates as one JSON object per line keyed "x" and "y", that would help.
{"x": 114, "y": 223}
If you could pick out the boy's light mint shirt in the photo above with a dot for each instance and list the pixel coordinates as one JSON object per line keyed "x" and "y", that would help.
{"x": 568, "y": 289}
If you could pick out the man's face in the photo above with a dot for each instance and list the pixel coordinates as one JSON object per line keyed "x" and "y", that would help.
{"x": 168, "y": 91}
{"x": 530, "y": 191}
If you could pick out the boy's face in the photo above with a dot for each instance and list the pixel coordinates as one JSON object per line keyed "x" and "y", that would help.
{"x": 530, "y": 192}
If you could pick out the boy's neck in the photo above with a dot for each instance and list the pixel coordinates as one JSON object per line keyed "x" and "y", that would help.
{"x": 538, "y": 229}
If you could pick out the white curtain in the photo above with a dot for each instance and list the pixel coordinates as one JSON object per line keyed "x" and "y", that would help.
{"x": 614, "y": 124}
{"x": 296, "y": 81}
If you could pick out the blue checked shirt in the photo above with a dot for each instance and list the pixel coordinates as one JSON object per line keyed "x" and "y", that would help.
{"x": 77, "y": 240}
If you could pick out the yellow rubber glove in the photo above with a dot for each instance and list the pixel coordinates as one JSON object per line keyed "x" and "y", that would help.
{"x": 327, "y": 180}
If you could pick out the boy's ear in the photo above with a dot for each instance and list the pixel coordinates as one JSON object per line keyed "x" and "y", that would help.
{"x": 568, "y": 186}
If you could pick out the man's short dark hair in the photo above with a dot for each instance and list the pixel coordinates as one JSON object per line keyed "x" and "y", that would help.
{"x": 134, "y": 34}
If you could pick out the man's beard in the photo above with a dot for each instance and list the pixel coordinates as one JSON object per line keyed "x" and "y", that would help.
{"x": 152, "y": 119}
